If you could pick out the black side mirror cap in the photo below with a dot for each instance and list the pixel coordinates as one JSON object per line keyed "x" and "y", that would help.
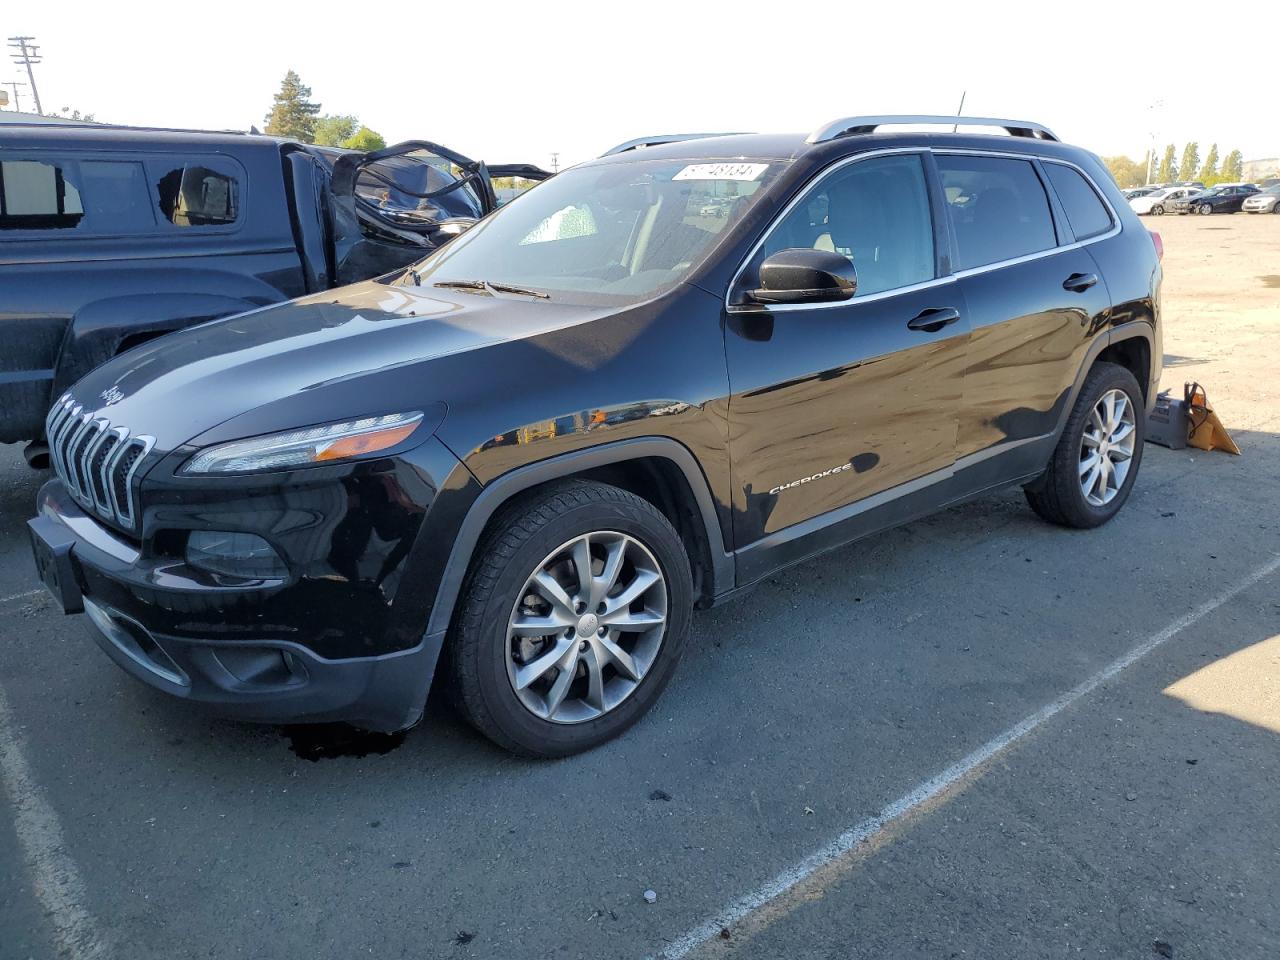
{"x": 806, "y": 275}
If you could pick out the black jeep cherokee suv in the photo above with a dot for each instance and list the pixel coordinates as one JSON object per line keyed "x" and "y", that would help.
{"x": 638, "y": 388}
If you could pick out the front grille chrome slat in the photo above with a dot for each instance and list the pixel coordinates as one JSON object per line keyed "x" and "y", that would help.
{"x": 96, "y": 461}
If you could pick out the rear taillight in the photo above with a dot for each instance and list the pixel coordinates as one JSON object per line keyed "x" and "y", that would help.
{"x": 1155, "y": 238}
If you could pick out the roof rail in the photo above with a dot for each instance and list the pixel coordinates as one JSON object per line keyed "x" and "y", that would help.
{"x": 850, "y": 126}
{"x": 660, "y": 138}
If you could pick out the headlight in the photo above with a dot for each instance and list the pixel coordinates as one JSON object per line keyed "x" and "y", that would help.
{"x": 300, "y": 448}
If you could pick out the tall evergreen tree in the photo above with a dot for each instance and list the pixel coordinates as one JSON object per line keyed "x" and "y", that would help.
{"x": 293, "y": 115}
{"x": 1190, "y": 165}
{"x": 1168, "y": 171}
{"x": 1209, "y": 172}
{"x": 1233, "y": 167}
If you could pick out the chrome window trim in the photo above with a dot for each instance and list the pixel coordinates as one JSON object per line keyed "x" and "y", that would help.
{"x": 1117, "y": 227}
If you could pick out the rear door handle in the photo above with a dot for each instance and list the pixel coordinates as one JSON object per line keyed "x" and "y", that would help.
{"x": 1079, "y": 282}
{"x": 933, "y": 320}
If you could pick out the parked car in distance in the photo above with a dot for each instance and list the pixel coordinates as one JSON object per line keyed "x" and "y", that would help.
{"x": 1158, "y": 203}
{"x": 538, "y": 449}
{"x": 1224, "y": 198}
{"x": 1265, "y": 201}
{"x": 1134, "y": 192}
{"x": 112, "y": 236}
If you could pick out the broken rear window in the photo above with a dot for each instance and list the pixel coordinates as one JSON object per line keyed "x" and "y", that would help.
{"x": 35, "y": 195}
{"x": 198, "y": 196}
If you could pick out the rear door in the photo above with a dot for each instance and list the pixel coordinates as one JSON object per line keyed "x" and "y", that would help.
{"x": 1036, "y": 299}
{"x": 837, "y": 408}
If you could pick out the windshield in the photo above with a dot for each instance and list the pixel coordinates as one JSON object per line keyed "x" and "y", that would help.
{"x": 608, "y": 234}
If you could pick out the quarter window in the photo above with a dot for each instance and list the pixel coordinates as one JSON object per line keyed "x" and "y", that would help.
{"x": 35, "y": 195}
{"x": 1085, "y": 211}
{"x": 998, "y": 207}
{"x": 196, "y": 196}
{"x": 876, "y": 213}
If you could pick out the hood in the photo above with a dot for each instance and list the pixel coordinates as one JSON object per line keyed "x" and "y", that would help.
{"x": 308, "y": 361}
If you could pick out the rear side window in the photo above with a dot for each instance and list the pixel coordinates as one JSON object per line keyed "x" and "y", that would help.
{"x": 35, "y": 195}
{"x": 998, "y": 207}
{"x": 1085, "y": 211}
{"x": 876, "y": 213}
{"x": 198, "y": 196}
{"x": 115, "y": 196}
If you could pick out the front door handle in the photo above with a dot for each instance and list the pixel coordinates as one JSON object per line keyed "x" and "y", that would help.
{"x": 933, "y": 320}
{"x": 1079, "y": 282}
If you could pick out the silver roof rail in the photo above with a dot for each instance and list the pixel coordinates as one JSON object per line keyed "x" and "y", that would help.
{"x": 660, "y": 138}
{"x": 850, "y": 126}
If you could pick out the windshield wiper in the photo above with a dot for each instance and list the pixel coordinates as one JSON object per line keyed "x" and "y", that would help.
{"x": 487, "y": 287}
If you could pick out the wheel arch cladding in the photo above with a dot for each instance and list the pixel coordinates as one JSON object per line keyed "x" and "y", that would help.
{"x": 657, "y": 469}
{"x": 1134, "y": 354}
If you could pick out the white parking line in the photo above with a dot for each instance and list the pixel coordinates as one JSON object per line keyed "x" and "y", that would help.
{"x": 54, "y": 876}
{"x": 19, "y": 596}
{"x": 854, "y": 841}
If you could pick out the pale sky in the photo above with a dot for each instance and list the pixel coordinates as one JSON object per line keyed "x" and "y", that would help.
{"x": 507, "y": 82}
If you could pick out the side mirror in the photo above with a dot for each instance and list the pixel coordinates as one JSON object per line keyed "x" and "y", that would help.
{"x": 805, "y": 275}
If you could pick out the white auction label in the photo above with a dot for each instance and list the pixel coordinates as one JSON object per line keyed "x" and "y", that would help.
{"x": 722, "y": 171}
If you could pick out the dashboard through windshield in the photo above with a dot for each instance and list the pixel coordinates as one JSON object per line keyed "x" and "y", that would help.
{"x": 607, "y": 234}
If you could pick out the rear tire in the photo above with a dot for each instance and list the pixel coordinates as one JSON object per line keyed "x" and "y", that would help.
{"x": 1059, "y": 494}
{"x": 603, "y": 659}
{"x": 1158, "y": 210}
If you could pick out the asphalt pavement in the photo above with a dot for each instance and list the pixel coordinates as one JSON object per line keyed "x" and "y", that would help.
{"x": 133, "y": 827}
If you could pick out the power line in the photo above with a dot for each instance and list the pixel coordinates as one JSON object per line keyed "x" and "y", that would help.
{"x": 15, "y": 84}
{"x": 28, "y": 54}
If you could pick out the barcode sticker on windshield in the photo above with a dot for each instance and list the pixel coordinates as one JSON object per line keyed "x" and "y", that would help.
{"x": 722, "y": 171}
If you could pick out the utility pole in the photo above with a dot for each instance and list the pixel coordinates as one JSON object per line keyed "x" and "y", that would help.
{"x": 555, "y": 163}
{"x": 15, "y": 84}
{"x": 28, "y": 54}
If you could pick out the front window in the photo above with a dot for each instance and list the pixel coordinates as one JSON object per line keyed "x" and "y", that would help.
{"x": 609, "y": 234}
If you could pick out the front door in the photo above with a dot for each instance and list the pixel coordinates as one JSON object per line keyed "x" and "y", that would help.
{"x": 840, "y": 407}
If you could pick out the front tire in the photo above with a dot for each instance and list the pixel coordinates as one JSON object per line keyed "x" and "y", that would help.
{"x": 1204, "y": 209}
{"x": 574, "y": 616}
{"x": 1094, "y": 465}
{"x": 1158, "y": 210}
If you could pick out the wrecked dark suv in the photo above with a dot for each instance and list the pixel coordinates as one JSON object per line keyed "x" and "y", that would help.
{"x": 112, "y": 236}
{"x": 518, "y": 465}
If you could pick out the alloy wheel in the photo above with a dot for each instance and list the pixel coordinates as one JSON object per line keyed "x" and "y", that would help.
{"x": 1205, "y": 209}
{"x": 1106, "y": 449}
{"x": 586, "y": 627}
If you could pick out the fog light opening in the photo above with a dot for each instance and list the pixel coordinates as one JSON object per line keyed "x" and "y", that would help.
{"x": 243, "y": 555}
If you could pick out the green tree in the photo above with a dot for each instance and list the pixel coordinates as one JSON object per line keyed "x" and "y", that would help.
{"x": 364, "y": 139}
{"x": 1209, "y": 172}
{"x": 1233, "y": 167}
{"x": 293, "y": 115}
{"x": 1127, "y": 171}
{"x": 1168, "y": 171}
{"x": 330, "y": 131}
{"x": 1190, "y": 162}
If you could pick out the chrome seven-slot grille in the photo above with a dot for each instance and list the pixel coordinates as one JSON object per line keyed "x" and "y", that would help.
{"x": 95, "y": 460}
